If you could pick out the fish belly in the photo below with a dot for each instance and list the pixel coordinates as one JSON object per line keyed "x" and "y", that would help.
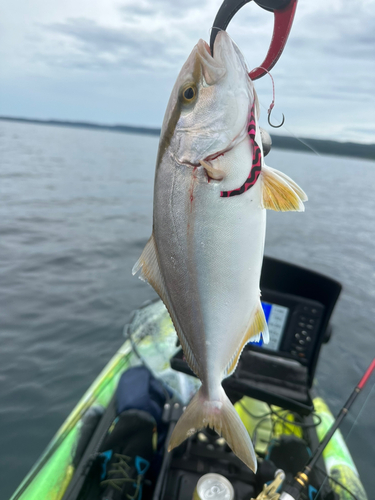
{"x": 210, "y": 251}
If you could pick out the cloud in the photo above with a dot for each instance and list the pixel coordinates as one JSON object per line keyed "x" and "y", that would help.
{"x": 344, "y": 29}
{"x": 161, "y": 33}
{"x": 100, "y": 47}
{"x": 167, "y": 9}
{"x": 325, "y": 74}
{"x": 151, "y": 35}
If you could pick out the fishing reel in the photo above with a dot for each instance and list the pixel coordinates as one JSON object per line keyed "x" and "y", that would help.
{"x": 269, "y": 491}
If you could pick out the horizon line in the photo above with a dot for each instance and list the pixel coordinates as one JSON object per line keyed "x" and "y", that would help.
{"x": 321, "y": 146}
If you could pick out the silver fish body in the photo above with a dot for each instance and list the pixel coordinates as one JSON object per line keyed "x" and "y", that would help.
{"x": 212, "y": 267}
{"x": 205, "y": 255}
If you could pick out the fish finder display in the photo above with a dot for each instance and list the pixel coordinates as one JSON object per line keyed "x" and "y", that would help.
{"x": 276, "y": 317}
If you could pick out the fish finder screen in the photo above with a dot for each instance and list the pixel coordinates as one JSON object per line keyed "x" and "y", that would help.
{"x": 276, "y": 317}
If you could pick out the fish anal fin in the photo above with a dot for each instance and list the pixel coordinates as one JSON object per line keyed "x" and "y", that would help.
{"x": 280, "y": 193}
{"x": 258, "y": 325}
{"x": 148, "y": 264}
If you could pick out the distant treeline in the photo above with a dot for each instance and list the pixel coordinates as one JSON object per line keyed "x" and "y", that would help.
{"x": 278, "y": 141}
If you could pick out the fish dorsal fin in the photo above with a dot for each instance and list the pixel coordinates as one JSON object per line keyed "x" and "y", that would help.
{"x": 148, "y": 264}
{"x": 257, "y": 326}
{"x": 280, "y": 193}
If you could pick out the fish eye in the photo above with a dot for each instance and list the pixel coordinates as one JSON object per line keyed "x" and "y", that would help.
{"x": 189, "y": 93}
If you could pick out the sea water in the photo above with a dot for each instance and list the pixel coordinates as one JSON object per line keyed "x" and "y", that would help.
{"x": 75, "y": 213}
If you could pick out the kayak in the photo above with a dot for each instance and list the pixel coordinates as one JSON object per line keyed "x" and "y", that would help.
{"x": 282, "y": 414}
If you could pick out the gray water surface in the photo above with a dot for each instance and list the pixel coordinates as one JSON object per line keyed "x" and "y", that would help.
{"x": 75, "y": 213}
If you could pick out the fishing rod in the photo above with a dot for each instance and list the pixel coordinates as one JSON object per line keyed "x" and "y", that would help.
{"x": 293, "y": 491}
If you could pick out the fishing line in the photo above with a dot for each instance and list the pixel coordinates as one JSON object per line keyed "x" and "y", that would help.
{"x": 215, "y": 28}
{"x": 359, "y": 414}
{"x": 308, "y": 146}
{"x": 323, "y": 483}
{"x": 302, "y": 142}
{"x": 269, "y": 110}
{"x": 335, "y": 481}
{"x": 350, "y": 431}
{"x": 272, "y": 105}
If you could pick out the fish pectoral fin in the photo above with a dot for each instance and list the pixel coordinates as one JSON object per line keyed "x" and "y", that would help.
{"x": 149, "y": 266}
{"x": 220, "y": 416}
{"x": 280, "y": 192}
{"x": 257, "y": 327}
{"x": 213, "y": 173}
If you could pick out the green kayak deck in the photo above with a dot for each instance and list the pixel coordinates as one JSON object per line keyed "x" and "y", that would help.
{"x": 153, "y": 340}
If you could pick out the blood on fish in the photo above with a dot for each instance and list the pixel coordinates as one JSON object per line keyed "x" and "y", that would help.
{"x": 193, "y": 179}
{"x": 209, "y": 179}
{"x": 216, "y": 156}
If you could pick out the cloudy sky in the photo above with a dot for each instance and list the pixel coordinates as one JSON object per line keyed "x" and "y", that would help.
{"x": 115, "y": 61}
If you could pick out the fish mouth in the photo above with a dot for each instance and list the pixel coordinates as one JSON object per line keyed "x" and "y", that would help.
{"x": 213, "y": 68}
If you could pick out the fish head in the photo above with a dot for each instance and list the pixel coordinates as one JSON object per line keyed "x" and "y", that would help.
{"x": 208, "y": 110}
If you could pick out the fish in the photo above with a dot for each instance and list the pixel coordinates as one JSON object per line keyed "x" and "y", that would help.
{"x": 204, "y": 257}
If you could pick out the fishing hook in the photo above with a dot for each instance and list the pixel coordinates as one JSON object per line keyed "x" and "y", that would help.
{"x": 269, "y": 118}
{"x": 273, "y": 99}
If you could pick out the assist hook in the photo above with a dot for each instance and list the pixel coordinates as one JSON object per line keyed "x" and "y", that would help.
{"x": 269, "y": 118}
{"x": 273, "y": 100}
{"x": 283, "y": 11}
